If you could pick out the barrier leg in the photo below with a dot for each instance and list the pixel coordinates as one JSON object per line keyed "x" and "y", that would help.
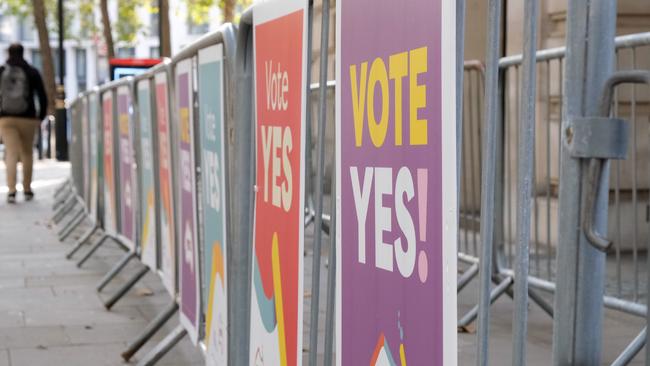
{"x": 62, "y": 189}
{"x": 309, "y": 216}
{"x": 539, "y": 300}
{"x": 466, "y": 277}
{"x": 60, "y": 199}
{"x": 115, "y": 270}
{"x": 92, "y": 250}
{"x": 84, "y": 238}
{"x": 77, "y": 219}
{"x": 150, "y": 330}
{"x": 632, "y": 350}
{"x": 331, "y": 282}
{"x": 163, "y": 347}
{"x": 496, "y": 292}
{"x": 124, "y": 289}
{"x": 62, "y": 211}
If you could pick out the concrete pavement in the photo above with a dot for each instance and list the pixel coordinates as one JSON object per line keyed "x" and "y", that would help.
{"x": 50, "y": 313}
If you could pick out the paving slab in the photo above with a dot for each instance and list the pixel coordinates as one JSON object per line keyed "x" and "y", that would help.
{"x": 12, "y": 318}
{"x": 32, "y": 337}
{"x": 4, "y": 358}
{"x": 78, "y": 355}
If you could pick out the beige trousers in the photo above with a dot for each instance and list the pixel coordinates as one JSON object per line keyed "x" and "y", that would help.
{"x": 18, "y": 137}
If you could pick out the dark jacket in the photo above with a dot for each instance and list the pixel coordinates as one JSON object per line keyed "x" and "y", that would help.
{"x": 36, "y": 88}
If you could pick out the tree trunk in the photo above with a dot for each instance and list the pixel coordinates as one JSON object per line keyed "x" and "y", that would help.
{"x": 228, "y": 11}
{"x": 46, "y": 54}
{"x": 106, "y": 25}
{"x": 165, "y": 35}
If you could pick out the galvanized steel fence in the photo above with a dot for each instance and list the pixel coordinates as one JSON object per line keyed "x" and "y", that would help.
{"x": 517, "y": 229}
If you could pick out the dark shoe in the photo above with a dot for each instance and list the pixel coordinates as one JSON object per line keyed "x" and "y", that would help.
{"x": 29, "y": 195}
{"x": 11, "y": 198}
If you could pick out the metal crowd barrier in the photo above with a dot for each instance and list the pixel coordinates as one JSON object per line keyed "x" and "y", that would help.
{"x": 143, "y": 149}
{"x": 545, "y": 191}
{"x": 144, "y": 153}
{"x": 626, "y": 279}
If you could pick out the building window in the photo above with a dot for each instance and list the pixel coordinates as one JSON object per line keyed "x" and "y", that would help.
{"x": 126, "y": 52}
{"x": 196, "y": 29}
{"x": 81, "y": 69}
{"x": 37, "y": 61}
{"x": 154, "y": 52}
{"x": 154, "y": 25}
{"x": 5, "y": 29}
{"x": 26, "y": 29}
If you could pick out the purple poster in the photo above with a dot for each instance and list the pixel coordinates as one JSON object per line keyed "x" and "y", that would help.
{"x": 189, "y": 271}
{"x": 127, "y": 187}
{"x": 396, "y": 174}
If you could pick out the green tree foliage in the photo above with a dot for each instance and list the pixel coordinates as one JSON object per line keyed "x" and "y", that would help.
{"x": 199, "y": 10}
{"x": 128, "y": 24}
{"x": 73, "y": 10}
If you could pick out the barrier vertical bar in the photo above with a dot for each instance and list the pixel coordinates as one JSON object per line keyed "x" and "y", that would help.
{"x": 460, "y": 73}
{"x": 488, "y": 178}
{"x": 579, "y": 292}
{"x": 308, "y": 145}
{"x": 525, "y": 183}
{"x": 242, "y": 207}
{"x": 331, "y": 279}
{"x": 320, "y": 153}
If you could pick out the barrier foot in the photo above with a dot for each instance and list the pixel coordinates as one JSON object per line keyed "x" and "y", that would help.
{"x": 124, "y": 289}
{"x": 632, "y": 349}
{"x": 496, "y": 292}
{"x": 62, "y": 211}
{"x": 150, "y": 330}
{"x": 62, "y": 186}
{"x": 60, "y": 199}
{"x": 163, "y": 347}
{"x": 466, "y": 277}
{"x": 71, "y": 225}
{"x": 541, "y": 302}
{"x": 84, "y": 238}
{"x": 115, "y": 270}
{"x": 92, "y": 250}
{"x": 534, "y": 297}
{"x": 309, "y": 218}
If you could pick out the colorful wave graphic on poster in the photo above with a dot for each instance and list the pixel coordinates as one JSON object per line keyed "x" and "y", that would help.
{"x": 271, "y": 308}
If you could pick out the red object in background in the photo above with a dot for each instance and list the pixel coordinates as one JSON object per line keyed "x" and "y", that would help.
{"x": 123, "y": 67}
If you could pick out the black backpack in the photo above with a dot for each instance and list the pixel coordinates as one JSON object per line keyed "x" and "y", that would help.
{"x": 14, "y": 90}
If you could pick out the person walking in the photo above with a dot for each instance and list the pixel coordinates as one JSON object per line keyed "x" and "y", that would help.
{"x": 20, "y": 83}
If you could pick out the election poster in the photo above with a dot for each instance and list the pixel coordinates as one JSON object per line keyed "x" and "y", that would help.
{"x": 277, "y": 261}
{"x": 94, "y": 146}
{"x": 128, "y": 186}
{"x": 147, "y": 194}
{"x": 85, "y": 158}
{"x": 110, "y": 219}
{"x": 396, "y": 173}
{"x": 215, "y": 204}
{"x": 189, "y": 264}
{"x": 165, "y": 179}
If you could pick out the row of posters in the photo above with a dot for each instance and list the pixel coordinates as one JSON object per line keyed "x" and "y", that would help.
{"x": 396, "y": 184}
{"x": 395, "y": 165}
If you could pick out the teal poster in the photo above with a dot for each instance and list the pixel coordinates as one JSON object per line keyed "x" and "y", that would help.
{"x": 211, "y": 120}
{"x": 146, "y": 169}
